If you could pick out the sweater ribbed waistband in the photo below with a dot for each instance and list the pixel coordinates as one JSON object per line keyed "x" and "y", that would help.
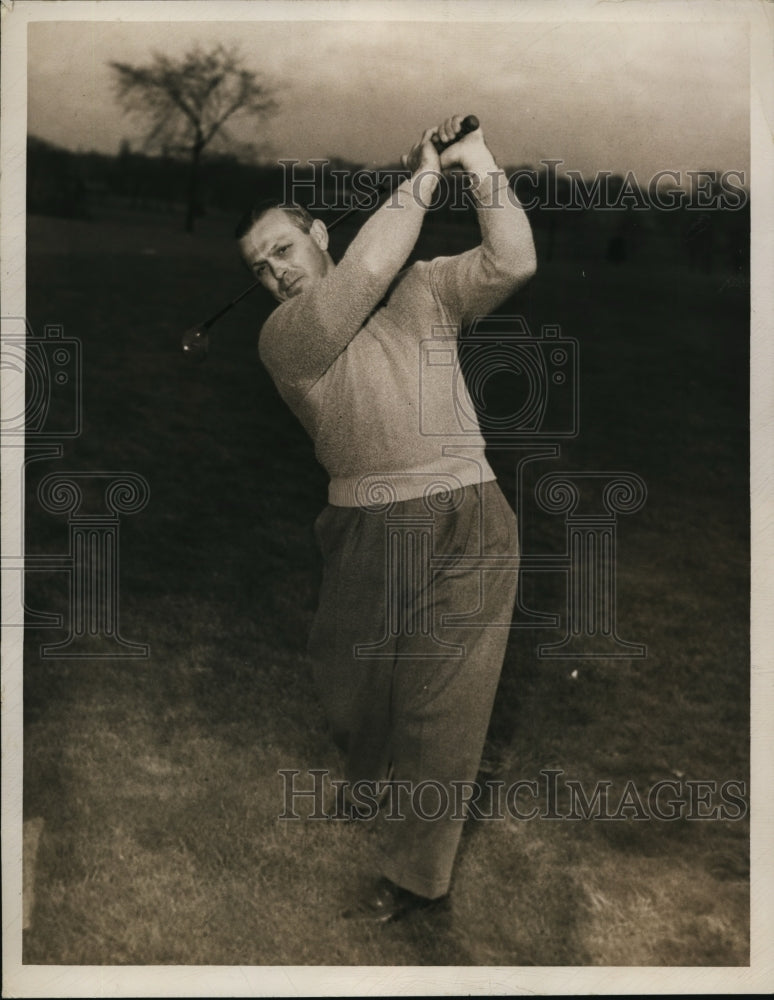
{"x": 379, "y": 489}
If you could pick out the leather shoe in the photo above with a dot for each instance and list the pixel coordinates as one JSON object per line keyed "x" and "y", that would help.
{"x": 385, "y": 902}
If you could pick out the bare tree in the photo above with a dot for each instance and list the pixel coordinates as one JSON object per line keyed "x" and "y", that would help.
{"x": 187, "y": 102}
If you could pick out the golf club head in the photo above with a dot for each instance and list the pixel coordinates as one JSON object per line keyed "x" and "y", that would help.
{"x": 195, "y": 344}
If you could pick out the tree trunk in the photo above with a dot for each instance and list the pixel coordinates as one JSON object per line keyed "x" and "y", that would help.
{"x": 193, "y": 184}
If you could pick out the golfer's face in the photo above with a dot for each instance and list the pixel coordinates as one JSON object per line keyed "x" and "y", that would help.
{"x": 285, "y": 259}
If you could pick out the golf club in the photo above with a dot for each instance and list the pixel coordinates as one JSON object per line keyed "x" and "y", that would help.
{"x": 195, "y": 341}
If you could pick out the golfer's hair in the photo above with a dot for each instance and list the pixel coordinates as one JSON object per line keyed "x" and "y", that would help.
{"x": 297, "y": 214}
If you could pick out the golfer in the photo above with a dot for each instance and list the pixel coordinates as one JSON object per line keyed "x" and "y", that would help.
{"x": 419, "y": 545}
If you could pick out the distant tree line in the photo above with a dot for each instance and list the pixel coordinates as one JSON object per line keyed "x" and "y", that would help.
{"x": 88, "y": 185}
{"x": 80, "y": 185}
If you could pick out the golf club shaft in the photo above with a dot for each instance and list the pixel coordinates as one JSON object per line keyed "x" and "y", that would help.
{"x": 222, "y": 312}
{"x": 468, "y": 124}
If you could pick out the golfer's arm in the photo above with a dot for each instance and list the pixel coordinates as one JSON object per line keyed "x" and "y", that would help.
{"x": 506, "y": 236}
{"x": 474, "y": 283}
{"x": 388, "y": 237}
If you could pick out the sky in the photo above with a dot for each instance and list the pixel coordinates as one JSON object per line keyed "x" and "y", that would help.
{"x": 619, "y": 96}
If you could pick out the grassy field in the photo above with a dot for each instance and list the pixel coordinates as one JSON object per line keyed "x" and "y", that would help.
{"x": 157, "y": 778}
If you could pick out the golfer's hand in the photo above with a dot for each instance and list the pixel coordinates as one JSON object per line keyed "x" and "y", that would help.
{"x": 469, "y": 153}
{"x": 423, "y": 156}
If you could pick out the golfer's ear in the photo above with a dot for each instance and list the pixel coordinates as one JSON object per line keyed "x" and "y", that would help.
{"x": 319, "y": 234}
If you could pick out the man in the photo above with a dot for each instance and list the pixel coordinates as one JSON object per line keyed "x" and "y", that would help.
{"x": 419, "y": 546}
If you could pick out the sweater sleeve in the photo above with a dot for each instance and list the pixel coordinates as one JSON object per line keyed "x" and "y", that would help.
{"x": 304, "y": 336}
{"x": 476, "y": 282}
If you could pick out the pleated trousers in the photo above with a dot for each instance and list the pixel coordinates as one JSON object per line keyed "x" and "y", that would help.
{"x": 408, "y": 644}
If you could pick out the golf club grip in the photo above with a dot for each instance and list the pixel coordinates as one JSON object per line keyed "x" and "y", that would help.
{"x": 469, "y": 124}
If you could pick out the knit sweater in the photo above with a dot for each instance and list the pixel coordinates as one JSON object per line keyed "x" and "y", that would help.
{"x": 377, "y": 384}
